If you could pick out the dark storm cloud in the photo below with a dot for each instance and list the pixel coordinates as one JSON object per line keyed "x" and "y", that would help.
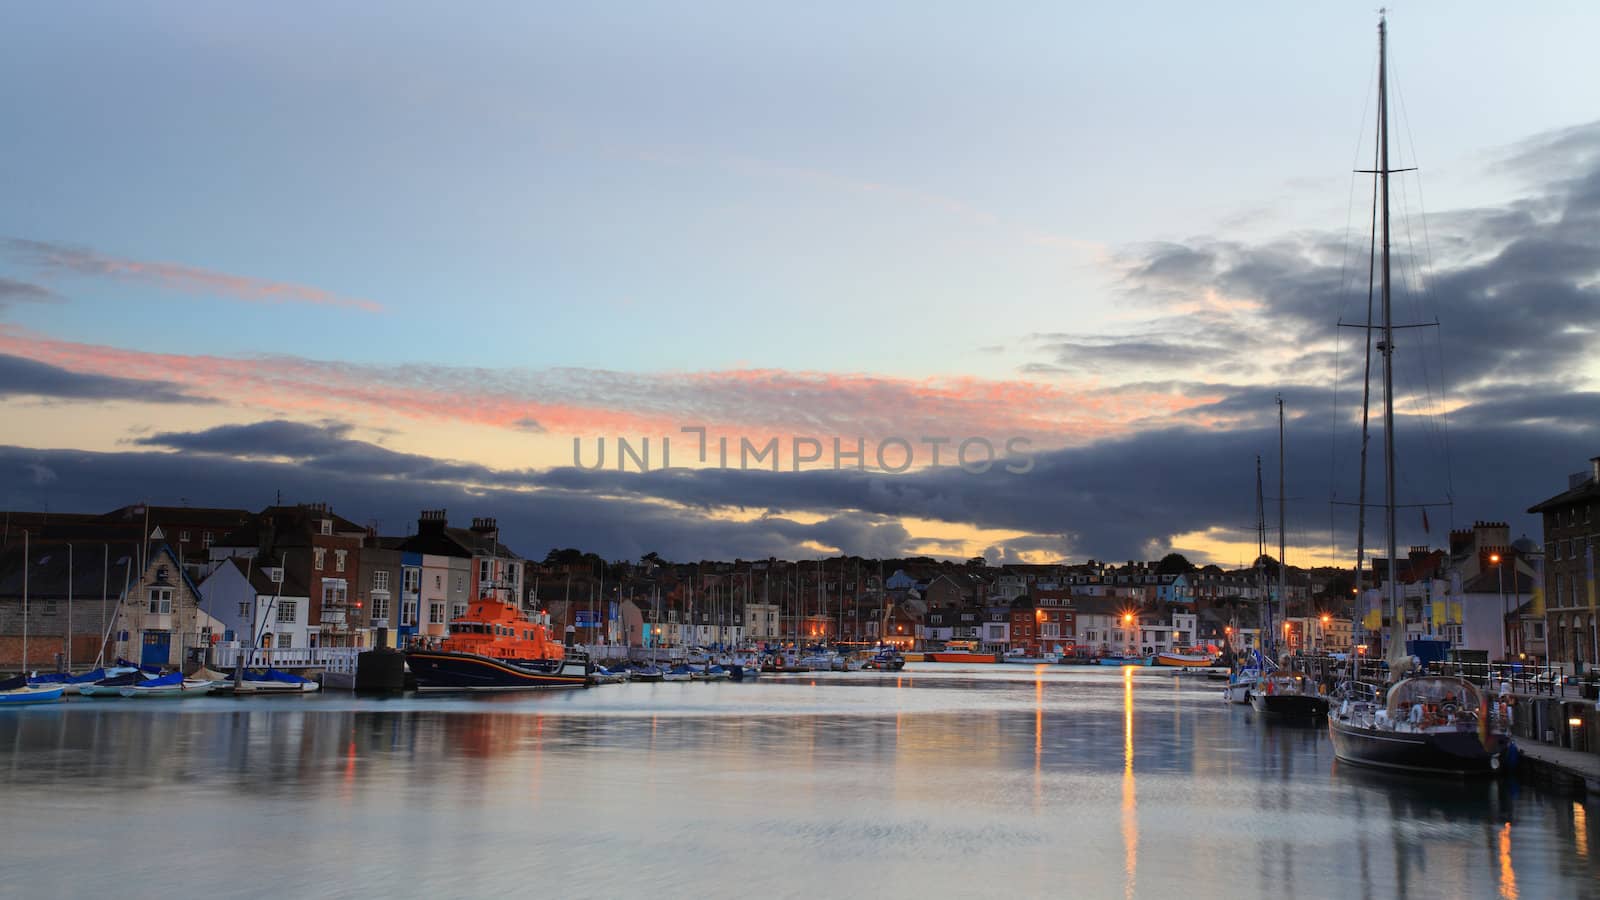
{"x": 21, "y": 377}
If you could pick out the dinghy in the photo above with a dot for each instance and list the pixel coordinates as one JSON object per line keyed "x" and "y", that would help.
{"x": 112, "y": 685}
{"x": 265, "y": 681}
{"x": 18, "y": 692}
{"x": 168, "y": 687}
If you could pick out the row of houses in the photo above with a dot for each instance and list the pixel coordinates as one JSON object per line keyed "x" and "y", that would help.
{"x": 154, "y": 583}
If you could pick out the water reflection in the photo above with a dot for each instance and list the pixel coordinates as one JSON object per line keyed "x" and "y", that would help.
{"x": 986, "y": 781}
{"x": 1130, "y": 799}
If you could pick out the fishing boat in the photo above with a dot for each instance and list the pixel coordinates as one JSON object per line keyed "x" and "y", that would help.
{"x": 1183, "y": 660}
{"x": 18, "y": 692}
{"x": 172, "y": 686}
{"x": 496, "y": 647}
{"x": 1427, "y": 723}
{"x": 960, "y": 652}
{"x": 1286, "y": 696}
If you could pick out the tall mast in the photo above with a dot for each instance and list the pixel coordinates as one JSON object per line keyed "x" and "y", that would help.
{"x": 1265, "y": 634}
{"x": 1283, "y": 600}
{"x": 1386, "y": 349}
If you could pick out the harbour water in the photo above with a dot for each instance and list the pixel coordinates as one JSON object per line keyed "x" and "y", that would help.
{"x": 941, "y": 781}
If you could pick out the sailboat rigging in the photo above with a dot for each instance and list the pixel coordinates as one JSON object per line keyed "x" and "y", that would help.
{"x": 1425, "y": 723}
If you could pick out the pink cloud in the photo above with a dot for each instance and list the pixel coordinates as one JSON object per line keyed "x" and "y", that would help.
{"x": 757, "y": 404}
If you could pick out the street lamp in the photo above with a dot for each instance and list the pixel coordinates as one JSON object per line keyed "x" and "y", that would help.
{"x": 1323, "y": 635}
{"x": 1505, "y": 631}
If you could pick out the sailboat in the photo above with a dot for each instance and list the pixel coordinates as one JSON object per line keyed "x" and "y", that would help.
{"x": 1286, "y": 695}
{"x": 1423, "y": 723}
{"x": 1249, "y": 668}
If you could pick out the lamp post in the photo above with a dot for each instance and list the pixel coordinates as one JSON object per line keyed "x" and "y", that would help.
{"x": 1322, "y": 635}
{"x": 1505, "y": 632}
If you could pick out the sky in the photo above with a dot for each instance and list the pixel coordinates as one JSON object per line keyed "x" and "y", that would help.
{"x": 433, "y": 257}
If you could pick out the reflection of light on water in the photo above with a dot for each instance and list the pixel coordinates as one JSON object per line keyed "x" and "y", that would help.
{"x": 1038, "y": 737}
{"x": 1130, "y": 804}
{"x": 1508, "y": 876}
{"x": 1580, "y": 825}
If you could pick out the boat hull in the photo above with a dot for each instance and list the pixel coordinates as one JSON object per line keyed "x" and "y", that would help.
{"x": 961, "y": 657}
{"x": 1300, "y": 707}
{"x": 1182, "y": 660}
{"x": 1458, "y": 753}
{"x": 25, "y": 696}
{"x": 441, "y": 670}
{"x": 168, "y": 692}
{"x": 1124, "y": 661}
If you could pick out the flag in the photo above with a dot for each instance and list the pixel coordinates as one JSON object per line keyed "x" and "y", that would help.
{"x": 1424, "y": 520}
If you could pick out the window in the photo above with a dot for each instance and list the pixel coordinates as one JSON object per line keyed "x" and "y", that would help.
{"x": 438, "y": 582}
{"x": 318, "y": 558}
{"x": 436, "y": 613}
{"x": 49, "y": 608}
{"x": 408, "y": 612}
{"x": 457, "y": 610}
{"x": 276, "y": 575}
{"x": 333, "y": 593}
{"x": 244, "y": 609}
{"x": 413, "y": 578}
{"x": 205, "y": 539}
{"x": 286, "y": 611}
{"x": 1558, "y": 586}
{"x": 461, "y": 583}
{"x": 1050, "y": 630}
{"x": 338, "y": 560}
{"x": 380, "y": 581}
{"x": 183, "y": 537}
{"x": 380, "y": 608}
{"x": 484, "y": 571}
{"x": 1538, "y": 631}
{"x": 285, "y": 641}
{"x": 326, "y": 526}
{"x": 160, "y": 601}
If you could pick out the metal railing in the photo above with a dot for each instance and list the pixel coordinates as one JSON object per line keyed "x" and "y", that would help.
{"x": 332, "y": 659}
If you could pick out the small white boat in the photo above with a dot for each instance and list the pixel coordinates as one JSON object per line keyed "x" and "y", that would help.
{"x": 270, "y": 681}
{"x": 173, "y": 687}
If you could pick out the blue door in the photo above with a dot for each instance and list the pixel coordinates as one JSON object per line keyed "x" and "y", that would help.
{"x": 157, "y": 648}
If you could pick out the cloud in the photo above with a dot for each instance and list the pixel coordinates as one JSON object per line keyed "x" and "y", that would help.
{"x": 65, "y": 259}
{"x": 12, "y": 291}
{"x": 752, "y": 403}
{"x": 22, "y": 377}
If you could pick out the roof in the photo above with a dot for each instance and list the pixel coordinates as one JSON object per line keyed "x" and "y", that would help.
{"x": 1589, "y": 490}
{"x": 48, "y": 570}
{"x": 463, "y": 542}
{"x": 292, "y": 585}
{"x": 1490, "y": 581}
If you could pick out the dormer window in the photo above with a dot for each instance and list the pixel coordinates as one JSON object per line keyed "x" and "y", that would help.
{"x": 161, "y": 573}
{"x": 327, "y": 526}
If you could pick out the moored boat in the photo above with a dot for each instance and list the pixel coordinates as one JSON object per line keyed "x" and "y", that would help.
{"x": 1432, "y": 723}
{"x": 18, "y": 692}
{"x": 1183, "y": 660}
{"x": 1288, "y": 697}
{"x": 263, "y": 681}
{"x": 172, "y": 686}
{"x": 1126, "y": 660}
{"x": 495, "y": 647}
{"x": 112, "y": 685}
